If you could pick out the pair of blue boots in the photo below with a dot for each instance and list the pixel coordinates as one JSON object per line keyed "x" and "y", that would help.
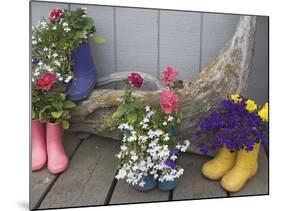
{"x": 81, "y": 86}
{"x": 150, "y": 183}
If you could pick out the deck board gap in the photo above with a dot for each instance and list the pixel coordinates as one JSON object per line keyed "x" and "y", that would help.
{"x": 111, "y": 190}
{"x": 171, "y": 193}
{"x": 38, "y": 204}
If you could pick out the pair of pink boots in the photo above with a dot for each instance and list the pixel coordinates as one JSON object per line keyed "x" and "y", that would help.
{"x": 47, "y": 145}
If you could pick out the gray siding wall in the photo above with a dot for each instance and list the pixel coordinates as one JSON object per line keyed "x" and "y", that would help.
{"x": 150, "y": 40}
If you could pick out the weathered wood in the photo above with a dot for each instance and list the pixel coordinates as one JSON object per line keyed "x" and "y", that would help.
{"x": 151, "y": 81}
{"x": 88, "y": 178}
{"x": 260, "y": 183}
{"x": 192, "y": 184}
{"x": 224, "y": 75}
{"x": 124, "y": 193}
{"x": 41, "y": 180}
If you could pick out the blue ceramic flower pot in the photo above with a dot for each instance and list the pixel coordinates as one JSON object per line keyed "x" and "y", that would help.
{"x": 149, "y": 184}
{"x": 85, "y": 73}
{"x": 167, "y": 185}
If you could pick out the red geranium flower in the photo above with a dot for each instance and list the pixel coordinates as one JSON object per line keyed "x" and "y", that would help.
{"x": 46, "y": 82}
{"x": 169, "y": 76}
{"x": 169, "y": 101}
{"x": 55, "y": 15}
{"x": 136, "y": 80}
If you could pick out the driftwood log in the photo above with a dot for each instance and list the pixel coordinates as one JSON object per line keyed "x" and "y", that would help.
{"x": 225, "y": 74}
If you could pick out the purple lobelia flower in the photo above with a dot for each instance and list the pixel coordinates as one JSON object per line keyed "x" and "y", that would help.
{"x": 171, "y": 164}
{"x": 230, "y": 124}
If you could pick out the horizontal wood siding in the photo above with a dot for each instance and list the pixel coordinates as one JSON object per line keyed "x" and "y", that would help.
{"x": 149, "y": 40}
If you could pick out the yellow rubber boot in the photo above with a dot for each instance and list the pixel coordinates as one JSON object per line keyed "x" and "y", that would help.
{"x": 220, "y": 165}
{"x": 245, "y": 168}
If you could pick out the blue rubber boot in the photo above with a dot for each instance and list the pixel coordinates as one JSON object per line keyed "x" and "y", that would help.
{"x": 149, "y": 184}
{"x": 167, "y": 185}
{"x": 85, "y": 73}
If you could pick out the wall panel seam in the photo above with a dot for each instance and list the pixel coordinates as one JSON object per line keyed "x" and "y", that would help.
{"x": 158, "y": 44}
{"x": 201, "y": 41}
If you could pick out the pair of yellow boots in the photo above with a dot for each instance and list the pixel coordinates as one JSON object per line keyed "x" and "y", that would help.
{"x": 234, "y": 169}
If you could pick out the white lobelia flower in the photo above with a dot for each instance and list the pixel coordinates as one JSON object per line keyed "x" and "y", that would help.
{"x": 145, "y": 120}
{"x": 68, "y": 79}
{"x": 173, "y": 157}
{"x": 34, "y": 42}
{"x": 145, "y": 126}
{"x": 147, "y": 108}
{"x": 54, "y": 27}
{"x": 187, "y": 143}
{"x": 60, "y": 78}
{"x": 57, "y": 63}
{"x": 123, "y": 148}
{"x": 142, "y": 183}
{"x": 55, "y": 55}
{"x": 40, "y": 63}
{"x": 167, "y": 137}
{"x": 65, "y": 24}
{"x": 84, "y": 16}
{"x": 45, "y": 49}
{"x": 170, "y": 118}
{"x": 66, "y": 29}
{"x": 53, "y": 45}
{"x": 121, "y": 174}
{"x": 165, "y": 123}
{"x": 43, "y": 24}
{"x": 134, "y": 157}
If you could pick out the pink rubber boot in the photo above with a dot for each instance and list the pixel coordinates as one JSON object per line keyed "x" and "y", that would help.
{"x": 39, "y": 155}
{"x": 57, "y": 158}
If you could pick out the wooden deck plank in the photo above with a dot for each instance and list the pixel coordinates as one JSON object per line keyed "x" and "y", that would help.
{"x": 89, "y": 177}
{"x": 192, "y": 184}
{"x": 41, "y": 180}
{"x": 124, "y": 193}
{"x": 259, "y": 184}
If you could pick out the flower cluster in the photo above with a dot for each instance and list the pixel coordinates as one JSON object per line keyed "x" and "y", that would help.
{"x": 149, "y": 145}
{"x": 236, "y": 123}
{"x": 54, "y": 41}
{"x": 146, "y": 150}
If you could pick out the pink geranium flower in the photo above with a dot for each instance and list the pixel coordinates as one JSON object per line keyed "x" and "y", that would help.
{"x": 55, "y": 15}
{"x": 169, "y": 76}
{"x": 136, "y": 80}
{"x": 46, "y": 81}
{"x": 169, "y": 101}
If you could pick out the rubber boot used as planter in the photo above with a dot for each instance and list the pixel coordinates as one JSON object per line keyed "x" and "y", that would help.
{"x": 216, "y": 168}
{"x": 167, "y": 185}
{"x": 245, "y": 168}
{"x": 149, "y": 184}
{"x": 84, "y": 69}
{"x": 57, "y": 158}
{"x": 39, "y": 156}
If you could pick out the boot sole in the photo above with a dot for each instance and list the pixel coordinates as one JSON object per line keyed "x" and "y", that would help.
{"x": 251, "y": 177}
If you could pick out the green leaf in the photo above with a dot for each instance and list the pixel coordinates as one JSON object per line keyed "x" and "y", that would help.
{"x": 68, "y": 104}
{"x": 99, "y": 39}
{"x": 33, "y": 114}
{"x": 132, "y": 117}
{"x": 42, "y": 116}
{"x": 121, "y": 110}
{"x": 57, "y": 105}
{"x": 65, "y": 124}
{"x": 57, "y": 114}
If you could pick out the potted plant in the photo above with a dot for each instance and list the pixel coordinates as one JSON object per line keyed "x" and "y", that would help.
{"x": 50, "y": 116}
{"x": 236, "y": 128}
{"x": 149, "y": 150}
{"x": 61, "y": 44}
